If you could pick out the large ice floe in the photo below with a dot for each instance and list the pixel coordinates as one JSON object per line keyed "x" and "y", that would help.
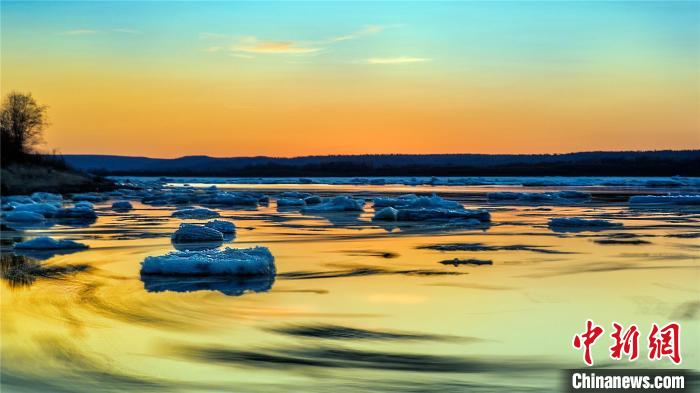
{"x": 191, "y": 233}
{"x": 559, "y": 197}
{"x": 257, "y": 261}
{"x": 47, "y": 243}
{"x": 665, "y": 200}
{"x": 47, "y": 210}
{"x": 337, "y": 204}
{"x": 196, "y": 213}
{"x": 573, "y": 224}
{"x": 24, "y": 217}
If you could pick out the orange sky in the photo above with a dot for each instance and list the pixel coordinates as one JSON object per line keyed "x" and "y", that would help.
{"x": 361, "y": 83}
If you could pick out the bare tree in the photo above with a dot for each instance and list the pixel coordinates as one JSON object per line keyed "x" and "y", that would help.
{"x": 22, "y": 122}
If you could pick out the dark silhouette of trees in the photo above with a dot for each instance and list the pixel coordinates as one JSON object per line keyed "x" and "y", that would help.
{"x": 22, "y": 122}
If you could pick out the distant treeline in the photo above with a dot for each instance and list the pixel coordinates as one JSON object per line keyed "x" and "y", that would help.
{"x": 657, "y": 163}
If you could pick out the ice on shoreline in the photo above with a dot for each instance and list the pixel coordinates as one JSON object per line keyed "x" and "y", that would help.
{"x": 257, "y": 261}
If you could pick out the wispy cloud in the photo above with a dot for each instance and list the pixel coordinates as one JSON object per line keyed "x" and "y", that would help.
{"x": 79, "y": 32}
{"x": 367, "y": 30}
{"x": 397, "y": 60}
{"x": 255, "y": 45}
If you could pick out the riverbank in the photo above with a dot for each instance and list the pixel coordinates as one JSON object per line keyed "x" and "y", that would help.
{"x": 28, "y": 178}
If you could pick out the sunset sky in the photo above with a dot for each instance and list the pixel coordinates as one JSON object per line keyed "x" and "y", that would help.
{"x": 167, "y": 79}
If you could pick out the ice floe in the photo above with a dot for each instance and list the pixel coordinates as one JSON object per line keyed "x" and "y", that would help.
{"x": 191, "y": 233}
{"x": 46, "y": 197}
{"x": 386, "y": 214}
{"x": 45, "y": 209}
{"x": 225, "y": 227}
{"x": 196, "y": 213}
{"x": 284, "y": 202}
{"x": 122, "y": 206}
{"x": 414, "y": 201}
{"x": 573, "y": 224}
{"x": 463, "y": 215}
{"x": 257, "y": 261}
{"x": 89, "y": 197}
{"x": 665, "y": 200}
{"x": 78, "y": 212}
{"x": 24, "y": 216}
{"x": 337, "y": 204}
{"x": 560, "y": 197}
{"x": 47, "y": 243}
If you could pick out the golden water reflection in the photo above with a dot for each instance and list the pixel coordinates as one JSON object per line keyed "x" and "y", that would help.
{"x": 355, "y": 306}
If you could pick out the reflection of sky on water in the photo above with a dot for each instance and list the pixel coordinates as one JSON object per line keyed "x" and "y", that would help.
{"x": 353, "y": 308}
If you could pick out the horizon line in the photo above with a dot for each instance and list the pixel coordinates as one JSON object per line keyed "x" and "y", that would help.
{"x": 382, "y": 154}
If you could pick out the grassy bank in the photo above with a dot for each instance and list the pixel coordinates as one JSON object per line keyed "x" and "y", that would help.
{"x": 26, "y": 178}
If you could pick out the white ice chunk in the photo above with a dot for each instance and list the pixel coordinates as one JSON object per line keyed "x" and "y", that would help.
{"x": 386, "y": 214}
{"x": 85, "y": 204}
{"x": 46, "y": 197}
{"x": 190, "y": 233}
{"x": 78, "y": 212}
{"x": 442, "y": 214}
{"x": 416, "y": 202}
{"x": 122, "y": 205}
{"x": 257, "y": 261}
{"x": 24, "y": 216}
{"x": 337, "y": 204}
{"x": 198, "y": 213}
{"x": 665, "y": 200}
{"x": 45, "y": 209}
{"x": 224, "y": 227}
{"x": 89, "y": 197}
{"x": 290, "y": 202}
{"x": 47, "y": 243}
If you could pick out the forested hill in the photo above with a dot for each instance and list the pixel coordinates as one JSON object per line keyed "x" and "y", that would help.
{"x": 643, "y": 163}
